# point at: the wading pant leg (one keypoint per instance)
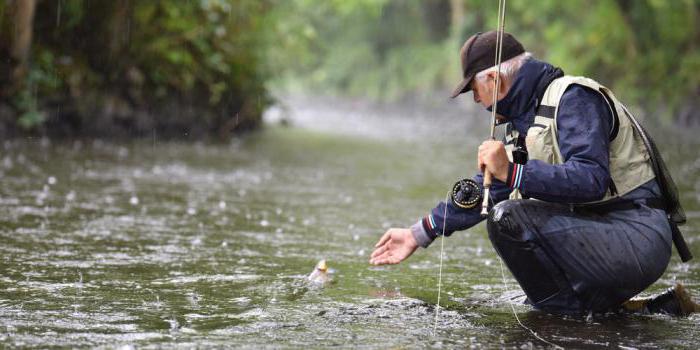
(540, 278)
(570, 262)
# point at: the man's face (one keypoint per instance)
(483, 91)
(482, 88)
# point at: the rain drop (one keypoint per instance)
(52, 180)
(134, 200)
(174, 325)
(222, 205)
(7, 162)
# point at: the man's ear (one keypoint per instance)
(491, 77)
(503, 88)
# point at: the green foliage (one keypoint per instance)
(41, 80)
(360, 48)
(29, 116)
(202, 59)
(189, 45)
(212, 61)
(646, 50)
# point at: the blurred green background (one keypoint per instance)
(188, 68)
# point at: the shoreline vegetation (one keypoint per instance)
(183, 69)
(210, 68)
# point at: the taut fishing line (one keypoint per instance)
(499, 49)
(442, 248)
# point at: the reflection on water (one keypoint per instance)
(162, 243)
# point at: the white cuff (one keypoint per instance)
(420, 235)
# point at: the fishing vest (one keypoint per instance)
(630, 164)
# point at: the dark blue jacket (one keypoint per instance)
(583, 122)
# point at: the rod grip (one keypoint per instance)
(487, 178)
(487, 187)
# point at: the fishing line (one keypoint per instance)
(499, 49)
(510, 302)
(442, 248)
(503, 276)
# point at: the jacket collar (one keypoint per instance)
(520, 104)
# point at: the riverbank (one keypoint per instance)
(107, 115)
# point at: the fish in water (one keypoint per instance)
(320, 274)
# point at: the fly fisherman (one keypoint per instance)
(577, 213)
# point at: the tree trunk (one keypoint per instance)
(457, 16)
(436, 15)
(18, 19)
(119, 28)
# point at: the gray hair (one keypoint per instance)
(509, 68)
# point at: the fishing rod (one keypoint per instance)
(465, 193)
(488, 177)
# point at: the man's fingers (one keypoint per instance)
(384, 238)
(379, 251)
(382, 259)
(390, 260)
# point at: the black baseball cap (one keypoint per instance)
(479, 53)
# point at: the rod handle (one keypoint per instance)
(487, 187)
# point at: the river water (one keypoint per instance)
(164, 244)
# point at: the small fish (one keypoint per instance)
(320, 273)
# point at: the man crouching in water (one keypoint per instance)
(586, 227)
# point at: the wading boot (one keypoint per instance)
(675, 301)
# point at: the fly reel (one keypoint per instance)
(466, 194)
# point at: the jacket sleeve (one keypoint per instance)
(583, 124)
(429, 227)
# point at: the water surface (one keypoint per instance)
(163, 244)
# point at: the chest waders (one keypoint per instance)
(634, 157)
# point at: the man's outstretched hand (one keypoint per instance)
(395, 246)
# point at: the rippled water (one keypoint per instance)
(166, 244)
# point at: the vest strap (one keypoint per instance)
(615, 127)
(627, 204)
(546, 111)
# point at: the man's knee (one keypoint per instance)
(502, 223)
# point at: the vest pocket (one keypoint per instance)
(539, 143)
